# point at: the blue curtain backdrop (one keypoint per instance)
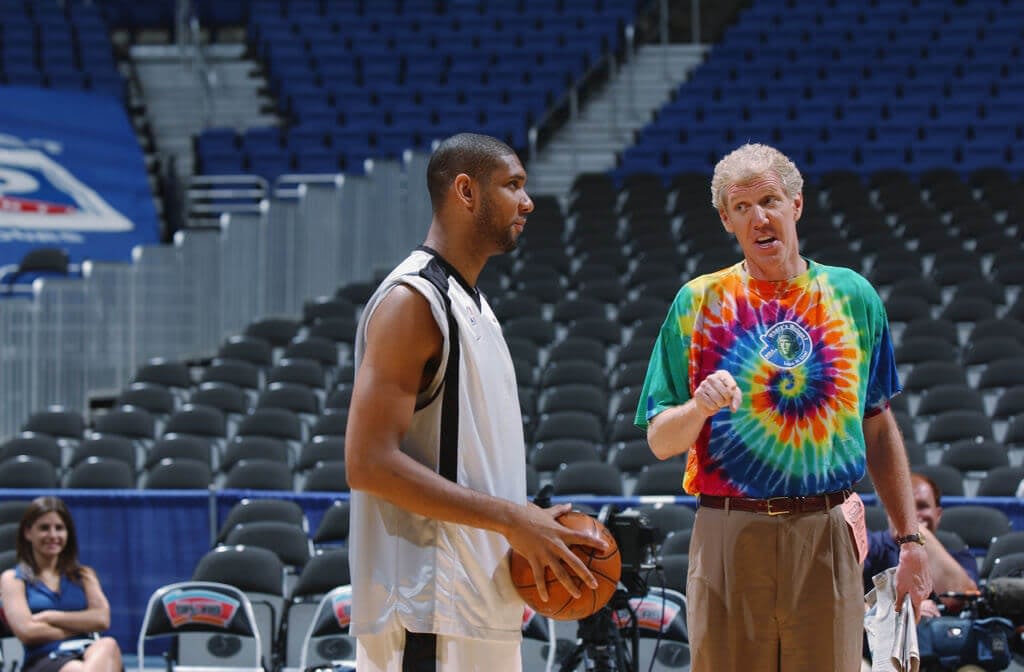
(138, 541)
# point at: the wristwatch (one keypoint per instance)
(916, 538)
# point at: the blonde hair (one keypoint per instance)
(749, 161)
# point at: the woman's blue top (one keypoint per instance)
(70, 597)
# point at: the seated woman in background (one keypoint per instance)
(51, 602)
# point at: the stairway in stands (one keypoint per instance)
(606, 124)
(173, 90)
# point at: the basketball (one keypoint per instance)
(606, 568)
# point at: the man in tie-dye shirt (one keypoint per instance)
(775, 376)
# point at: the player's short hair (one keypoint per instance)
(748, 162)
(474, 154)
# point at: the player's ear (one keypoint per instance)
(465, 189)
(798, 206)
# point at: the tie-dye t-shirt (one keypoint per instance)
(812, 357)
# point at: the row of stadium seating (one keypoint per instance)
(852, 86)
(371, 71)
(583, 298)
(60, 46)
(361, 81)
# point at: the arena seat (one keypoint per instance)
(325, 476)
(177, 473)
(164, 619)
(262, 509)
(333, 527)
(978, 525)
(325, 572)
(259, 574)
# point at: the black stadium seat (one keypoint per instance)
(177, 473)
(39, 446)
(550, 456)
(101, 473)
(588, 478)
(334, 525)
(259, 474)
(978, 525)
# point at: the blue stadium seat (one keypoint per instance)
(264, 138)
(393, 141)
(983, 154)
(270, 166)
(916, 104)
(815, 112)
(927, 157)
(308, 135)
(232, 163)
(877, 156)
(60, 78)
(947, 133)
(852, 132)
(109, 83)
(23, 74)
(1001, 110)
(317, 160)
(895, 133)
(411, 116)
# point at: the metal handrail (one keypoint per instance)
(188, 36)
(248, 190)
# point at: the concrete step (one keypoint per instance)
(195, 88)
(624, 118)
(239, 69)
(236, 70)
(141, 53)
(192, 84)
(567, 161)
(607, 122)
(169, 130)
(252, 107)
(177, 106)
(591, 143)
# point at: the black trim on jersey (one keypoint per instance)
(420, 652)
(437, 273)
(454, 272)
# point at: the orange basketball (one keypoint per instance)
(606, 568)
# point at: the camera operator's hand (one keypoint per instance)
(537, 535)
(913, 577)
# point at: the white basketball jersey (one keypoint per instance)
(427, 575)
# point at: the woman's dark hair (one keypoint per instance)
(67, 563)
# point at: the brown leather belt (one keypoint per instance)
(775, 506)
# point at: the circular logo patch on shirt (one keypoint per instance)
(786, 345)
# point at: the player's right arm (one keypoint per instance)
(403, 347)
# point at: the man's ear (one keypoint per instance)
(725, 220)
(798, 206)
(465, 190)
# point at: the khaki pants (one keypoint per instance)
(774, 593)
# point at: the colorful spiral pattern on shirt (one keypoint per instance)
(801, 354)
